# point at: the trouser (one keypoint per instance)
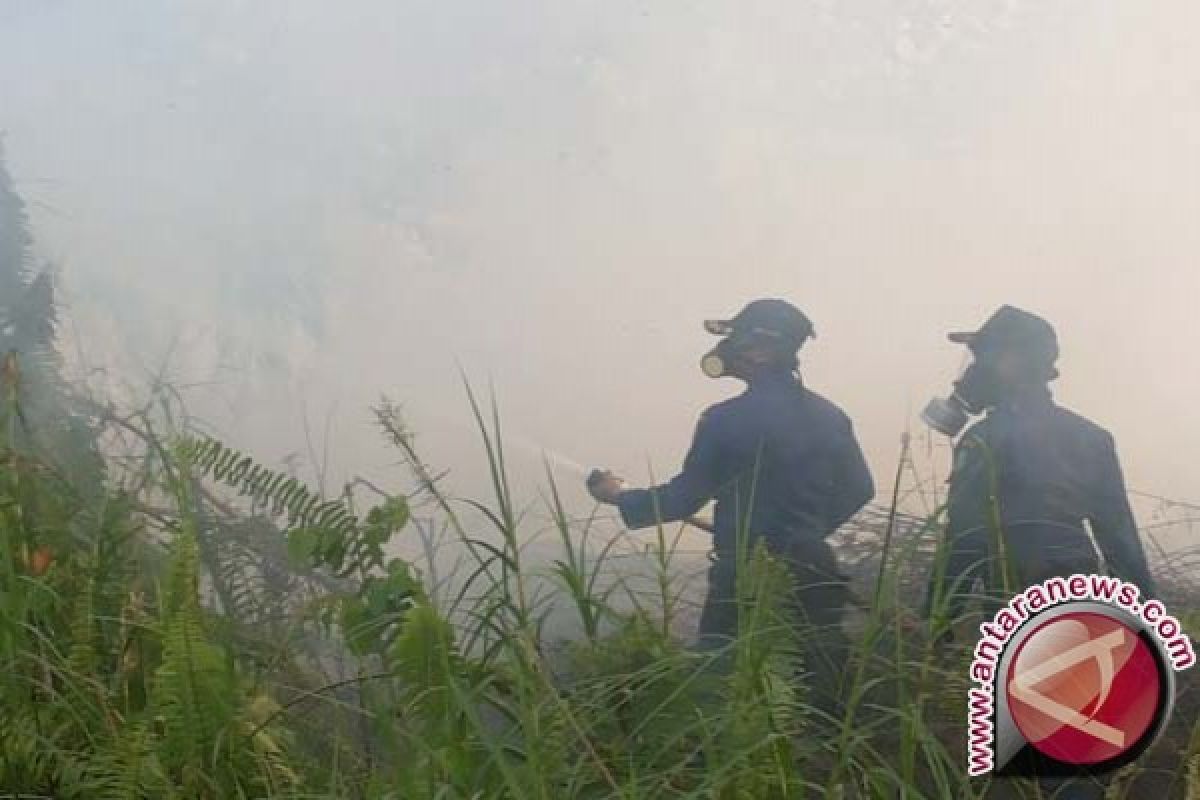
(817, 599)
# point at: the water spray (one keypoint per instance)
(570, 465)
(579, 470)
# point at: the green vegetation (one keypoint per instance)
(178, 621)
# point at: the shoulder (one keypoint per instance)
(1086, 434)
(823, 409)
(1081, 426)
(720, 415)
(725, 408)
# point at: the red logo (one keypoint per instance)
(1084, 688)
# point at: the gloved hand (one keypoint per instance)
(604, 486)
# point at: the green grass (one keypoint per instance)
(177, 646)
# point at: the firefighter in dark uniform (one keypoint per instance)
(1028, 481)
(783, 465)
(1030, 471)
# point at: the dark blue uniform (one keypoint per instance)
(1036, 472)
(789, 459)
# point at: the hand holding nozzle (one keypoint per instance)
(605, 486)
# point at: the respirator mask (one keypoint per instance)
(718, 362)
(1012, 350)
(973, 392)
(765, 330)
(715, 363)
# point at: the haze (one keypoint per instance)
(307, 204)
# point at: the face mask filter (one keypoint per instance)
(949, 415)
(716, 362)
(713, 365)
(946, 415)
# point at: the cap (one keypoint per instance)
(768, 316)
(1013, 329)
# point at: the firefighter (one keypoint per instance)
(1029, 475)
(785, 468)
(1028, 481)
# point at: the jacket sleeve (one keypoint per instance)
(686, 493)
(853, 486)
(1112, 521)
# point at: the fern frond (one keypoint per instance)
(193, 694)
(322, 533)
(82, 658)
(275, 490)
(126, 768)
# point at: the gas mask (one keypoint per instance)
(975, 390)
(717, 362)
